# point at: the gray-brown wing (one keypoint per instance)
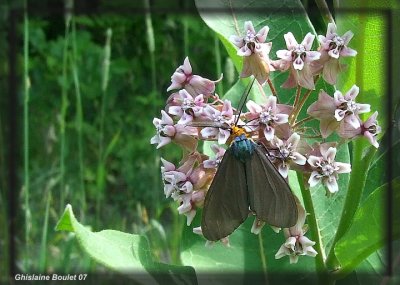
(270, 196)
(226, 204)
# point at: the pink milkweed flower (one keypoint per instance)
(297, 58)
(215, 161)
(255, 51)
(340, 111)
(286, 153)
(332, 48)
(185, 107)
(223, 119)
(296, 243)
(266, 116)
(167, 131)
(369, 129)
(346, 107)
(326, 169)
(188, 204)
(194, 84)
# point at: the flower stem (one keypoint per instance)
(26, 136)
(273, 90)
(314, 230)
(360, 165)
(262, 255)
(299, 123)
(297, 97)
(324, 9)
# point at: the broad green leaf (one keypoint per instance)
(243, 257)
(367, 232)
(123, 252)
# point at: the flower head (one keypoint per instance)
(297, 58)
(255, 51)
(332, 47)
(326, 169)
(339, 111)
(296, 243)
(266, 116)
(184, 106)
(285, 153)
(222, 119)
(194, 84)
(167, 131)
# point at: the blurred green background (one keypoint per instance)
(89, 125)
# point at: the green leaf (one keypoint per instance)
(123, 252)
(367, 232)
(243, 256)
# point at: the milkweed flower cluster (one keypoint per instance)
(195, 112)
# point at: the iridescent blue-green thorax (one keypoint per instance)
(242, 148)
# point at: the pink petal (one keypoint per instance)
(248, 26)
(305, 242)
(174, 85)
(331, 184)
(352, 93)
(169, 131)
(281, 118)
(293, 139)
(209, 132)
(186, 118)
(331, 29)
(187, 68)
(348, 52)
(308, 40)
(306, 78)
(363, 108)
(312, 55)
(223, 136)
(324, 107)
(175, 110)
(165, 118)
(353, 121)
(283, 170)
(202, 85)
(299, 159)
(269, 133)
(284, 54)
(271, 102)
(262, 34)
(331, 70)
(347, 37)
(237, 41)
(313, 160)
(327, 126)
(290, 41)
(253, 107)
(156, 122)
(163, 141)
(371, 120)
(168, 166)
(347, 131)
(343, 167)
(329, 154)
(372, 139)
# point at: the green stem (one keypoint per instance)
(273, 90)
(299, 123)
(26, 135)
(263, 257)
(359, 172)
(218, 63)
(63, 113)
(313, 226)
(101, 169)
(324, 9)
(79, 115)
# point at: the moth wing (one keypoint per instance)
(226, 204)
(270, 196)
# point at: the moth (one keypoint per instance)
(246, 182)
